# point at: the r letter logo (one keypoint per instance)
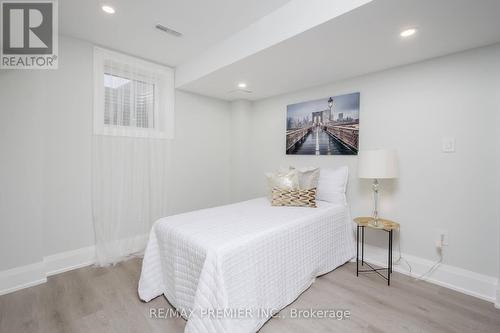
(29, 34)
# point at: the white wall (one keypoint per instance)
(67, 129)
(45, 149)
(411, 108)
(201, 153)
(497, 304)
(21, 172)
(240, 131)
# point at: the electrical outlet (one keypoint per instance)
(442, 238)
(448, 145)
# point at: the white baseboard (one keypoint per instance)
(461, 280)
(66, 261)
(22, 277)
(497, 302)
(31, 275)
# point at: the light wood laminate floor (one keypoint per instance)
(94, 300)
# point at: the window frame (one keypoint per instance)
(163, 85)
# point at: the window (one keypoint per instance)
(132, 97)
(128, 102)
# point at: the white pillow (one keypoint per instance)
(308, 177)
(332, 185)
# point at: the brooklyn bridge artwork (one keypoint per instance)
(327, 126)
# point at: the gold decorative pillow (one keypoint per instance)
(302, 198)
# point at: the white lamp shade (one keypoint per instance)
(378, 164)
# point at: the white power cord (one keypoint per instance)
(429, 271)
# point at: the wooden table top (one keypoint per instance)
(366, 221)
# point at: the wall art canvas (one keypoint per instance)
(327, 126)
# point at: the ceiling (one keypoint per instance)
(361, 41)
(131, 28)
(350, 43)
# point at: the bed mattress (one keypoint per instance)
(228, 268)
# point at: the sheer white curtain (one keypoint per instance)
(130, 152)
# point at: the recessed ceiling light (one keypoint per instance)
(108, 9)
(408, 32)
(242, 85)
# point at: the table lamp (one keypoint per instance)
(377, 164)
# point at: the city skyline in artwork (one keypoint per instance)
(326, 126)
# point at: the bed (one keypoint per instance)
(229, 268)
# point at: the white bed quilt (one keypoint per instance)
(229, 266)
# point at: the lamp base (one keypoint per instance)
(375, 187)
(375, 223)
